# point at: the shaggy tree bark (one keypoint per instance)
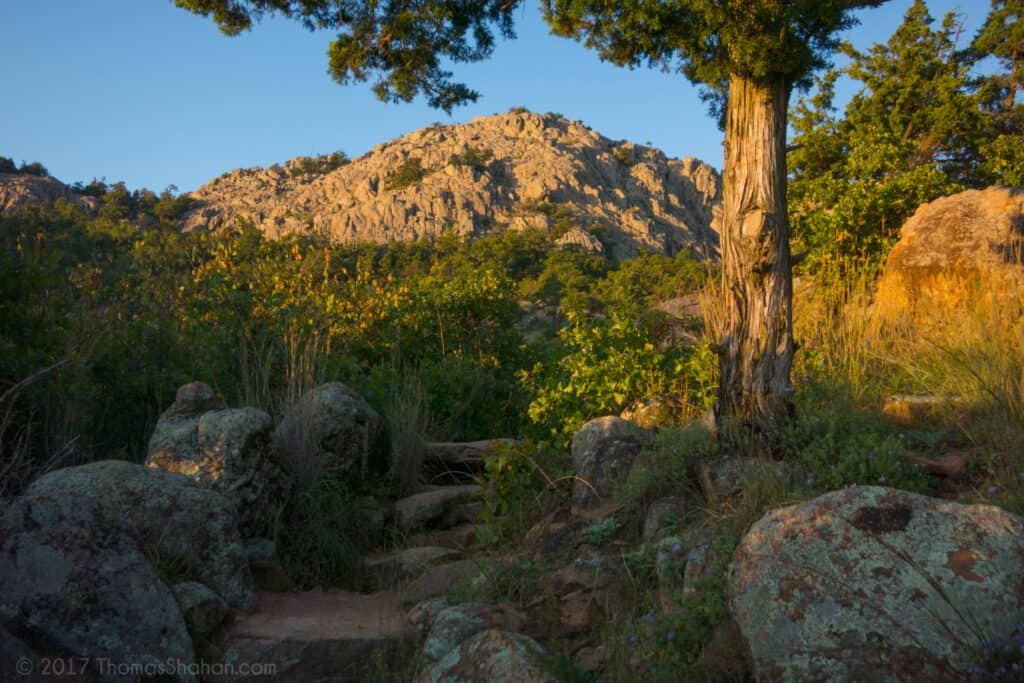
(757, 343)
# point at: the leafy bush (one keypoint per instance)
(514, 481)
(318, 165)
(607, 365)
(409, 173)
(624, 155)
(473, 157)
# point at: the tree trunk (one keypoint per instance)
(757, 343)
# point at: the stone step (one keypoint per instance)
(316, 636)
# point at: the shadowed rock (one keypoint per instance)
(72, 572)
(185, 529)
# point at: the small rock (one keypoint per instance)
(455, 624)
(438, 579)
(662, 513)
(720, 477)
(384, 570)
(602, 452)
(492, 656)
(579, 611)
(908, 409)
(421, 509)
(204, 610)
(699, 567)
(653, 411)
(590, 658)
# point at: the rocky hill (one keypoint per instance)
(18, 190)
(514, 170)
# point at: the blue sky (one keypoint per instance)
(140, 91)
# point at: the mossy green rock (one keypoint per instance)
(187, 532)
(72, 574)
(871, 583)
(492, 656)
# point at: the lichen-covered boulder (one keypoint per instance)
(491, 656)
(227, 450)
(602, 453)
(872, 581)
(332, 429)
(189, 532)
(73, 573)
(452, 625)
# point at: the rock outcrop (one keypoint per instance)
(950, 246)
(871, 581)
(18, 190)
(226, 450)
(512, 170)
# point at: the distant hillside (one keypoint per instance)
(514, 170)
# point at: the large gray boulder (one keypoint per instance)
(602, 454)
(188, 532)
(73, 573)
(227, 450)
(332, 429)
(873, 582)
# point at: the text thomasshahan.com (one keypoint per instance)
(72, 666)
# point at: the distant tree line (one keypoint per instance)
(34, 168)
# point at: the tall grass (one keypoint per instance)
(408, 420)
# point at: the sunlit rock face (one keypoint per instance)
(516, 171)
(954, 251)
(21, 190)
(871, 581)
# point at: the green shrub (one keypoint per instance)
(675, 647)
(624, 155)
(607, 365)
(835, 443)
(318, 165)
(409, 173)
(514, 482)
(474, 157)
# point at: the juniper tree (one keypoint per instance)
(748, 55)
